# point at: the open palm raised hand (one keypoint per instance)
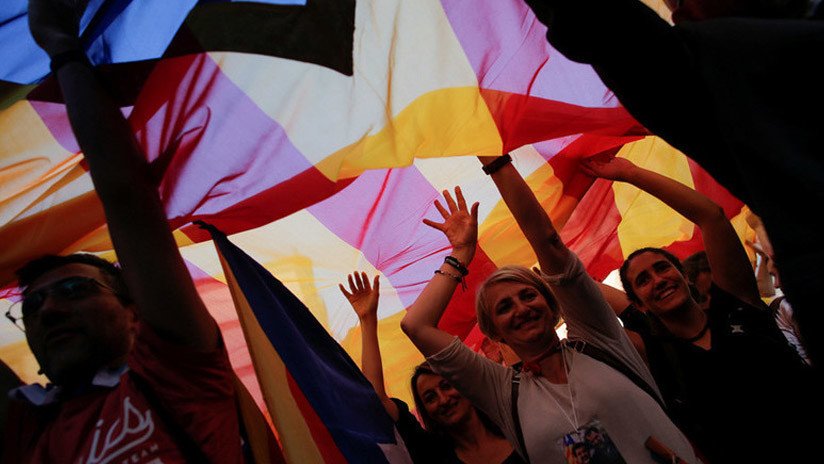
(460, 223)
(361, 295)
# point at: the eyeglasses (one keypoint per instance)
(68, 289)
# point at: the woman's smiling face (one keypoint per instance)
(444, 405)
(520, 314)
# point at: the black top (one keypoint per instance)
(746, 398)
(429, 448)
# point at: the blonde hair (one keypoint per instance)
(516, 274)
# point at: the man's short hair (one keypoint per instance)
(35, 268)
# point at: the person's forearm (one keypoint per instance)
(764, 279)
(420, 323)
(688, 202)
(531, 217)
(428, 308)
(371, 354)
(372, 364)
(134, 214)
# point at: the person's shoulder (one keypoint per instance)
(635, 320)
(723, 302)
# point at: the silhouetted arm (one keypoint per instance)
(153, 268)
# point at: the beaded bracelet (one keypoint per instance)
(454, 262)
(499, 162)
(457, 278)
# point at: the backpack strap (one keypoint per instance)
(600, 355)
(516, 420)
(595, 353)
(775, 304)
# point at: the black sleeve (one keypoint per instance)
(635, 320)
(423, 447)
(644, 60)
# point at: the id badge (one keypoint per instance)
(590, 444)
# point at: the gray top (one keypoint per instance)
(628, 414)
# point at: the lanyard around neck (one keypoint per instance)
(572, 419)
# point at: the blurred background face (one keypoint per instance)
(773, 270)
(703, 284)
(444, 405)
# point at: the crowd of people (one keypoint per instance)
(683, 365)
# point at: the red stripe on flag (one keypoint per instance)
(524, 119)
(301, 191)
(705, 184)
(565, 164)
(320, 434)
(592, 231)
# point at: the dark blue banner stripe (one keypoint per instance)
(341, 396)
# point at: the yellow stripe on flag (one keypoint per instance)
(299, 446)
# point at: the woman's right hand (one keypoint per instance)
(460, 225)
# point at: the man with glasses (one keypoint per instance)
(77, 315)
(138, 370)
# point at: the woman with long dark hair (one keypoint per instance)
(454, 431)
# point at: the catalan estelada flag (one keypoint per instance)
(323, 407)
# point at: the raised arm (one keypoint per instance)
(154, 270)
(531, 217)
(766, 286)
(731, 269)
(617, 37)
(363, 297)
(461, 229)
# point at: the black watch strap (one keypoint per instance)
(499, 162)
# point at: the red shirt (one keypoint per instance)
(113, 422)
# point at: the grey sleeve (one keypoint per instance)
(590, 318)
(486, 384)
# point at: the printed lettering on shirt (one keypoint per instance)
(120, 441)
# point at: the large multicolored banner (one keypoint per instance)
(318, 133)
